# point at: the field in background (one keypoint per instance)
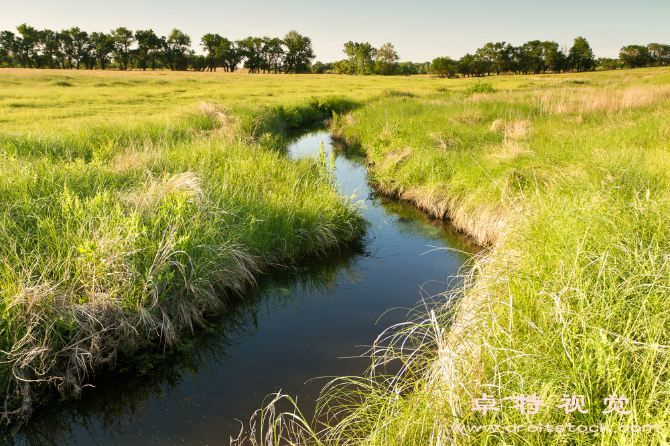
(46, 100)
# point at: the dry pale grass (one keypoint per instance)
(498, 125)
(395, 157)
(590, 99)
(104, 320)
(228, 123)
(444, 141)
(517, 129)
(155, 190)
(512, 129)
(485, 223)
(509, 149)
(134, 160)
(471, 116)
(458, 364)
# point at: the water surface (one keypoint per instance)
(300, 323)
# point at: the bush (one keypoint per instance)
(480, 87)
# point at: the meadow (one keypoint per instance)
(121, 233)
(135, 198)
(566, 180)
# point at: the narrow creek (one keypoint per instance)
(299, 324)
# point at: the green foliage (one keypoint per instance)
(581, 55)
(635, 56)
(443, 67)
(299, 52)
(480, 87)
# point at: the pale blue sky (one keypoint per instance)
(419, 30)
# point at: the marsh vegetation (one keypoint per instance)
(563, 178)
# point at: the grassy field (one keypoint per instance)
(567, 180)
(119, 232)
(564, 177)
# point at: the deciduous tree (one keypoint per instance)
(581, 55)
(123, 40)
(147, 43)
(103, 47)
(443, 67)
(177, 49)
(299, 52)
(636, 56)
(212, 44)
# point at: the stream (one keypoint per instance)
(297, 326)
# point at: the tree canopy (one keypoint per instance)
(124, 49)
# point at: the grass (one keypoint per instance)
(563, 177)
(567, 184)
(116, 237)
(31, 100)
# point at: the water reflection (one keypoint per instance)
(153, 383)
(297, 325)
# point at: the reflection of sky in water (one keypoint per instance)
(298, 325)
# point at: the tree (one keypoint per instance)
(660, 53)
(51, 47)
(534, 53)
(387, 58)
(341, 67)
(495, 56)
(212, 44)
(299, 53)
(26, 45)
(319, 67)
(636, 56)
(485, 57)
(176, 50)
(77, 45)
(443, 67)
(103, 46)
(273, 48)
(467, 65)
(554, 58)
(606, 63)
(361, 57)
(197, 62)
(147, 43)
(123, 40)
(252, 48)
(581, 56)
(8, 46)
(230, 54)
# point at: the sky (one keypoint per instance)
(419, 30)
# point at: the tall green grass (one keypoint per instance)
(568, 187)
(115, 238)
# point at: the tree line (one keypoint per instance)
(539, 57)
(74, 49)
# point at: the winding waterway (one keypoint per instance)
(297, 325)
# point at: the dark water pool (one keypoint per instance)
(297, 325)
